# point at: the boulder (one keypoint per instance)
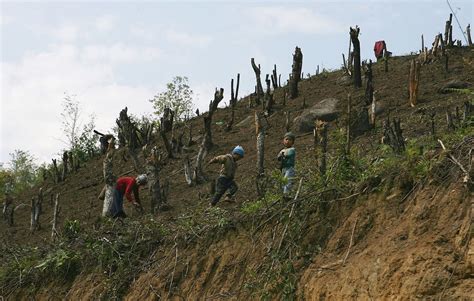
(324, 110)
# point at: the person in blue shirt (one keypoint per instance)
(287, 161)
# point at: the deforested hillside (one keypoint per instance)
(386, 214)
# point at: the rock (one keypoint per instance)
(453, 84)
(324, 110)
(246, 122)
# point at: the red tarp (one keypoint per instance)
(378, 49)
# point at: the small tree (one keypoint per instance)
(70, 119)
(177, 97)
(23, 170)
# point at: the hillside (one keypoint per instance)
(380, 226)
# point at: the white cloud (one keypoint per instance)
(66, 33)
(105, 23)
(118, 53)
(280, 19)
(188, 39)
(32, 90)
(142, 32)
(5, 20)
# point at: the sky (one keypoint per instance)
(113, 54)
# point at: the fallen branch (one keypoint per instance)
(467, 177)
(350, 243)
(291, 213)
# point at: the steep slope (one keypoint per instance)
(409, 237)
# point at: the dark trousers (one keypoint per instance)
(117, 205)
(222, 184)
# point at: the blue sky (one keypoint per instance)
(116, 54)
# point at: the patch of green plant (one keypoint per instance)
(72, 228)
(61, 263)
(217, 217)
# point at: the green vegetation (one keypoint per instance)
(177, 97)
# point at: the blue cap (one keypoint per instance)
(239, 150)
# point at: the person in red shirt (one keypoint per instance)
(128, 187)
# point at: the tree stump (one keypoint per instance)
(166, 125)
(414, 82)
(65, 165)
(468, 33)
(369, 90)
(354, 33)
(296, 72)
(154, 164)
(268, 97)
(56, 176)
(218, 96)
(321, 130)
(393, 135)
(233, 101)
(258, 88)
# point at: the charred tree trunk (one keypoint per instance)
(432, 127)
(344, 64)
(33, 226)
(259, 88)
(369, 90)
(422, 43)
(322, 134)
(233, 101)
(354, 33)
(218, 96)
(468, 33)
(275, 78)
(393, 135)
(448, 32)
(268, 97)
(54, 231)
(414, 82)
(57, 176)
(128, 129)
(296, 72)
(110, 180)
(153, 170)
(166, 125)
(65, 165)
